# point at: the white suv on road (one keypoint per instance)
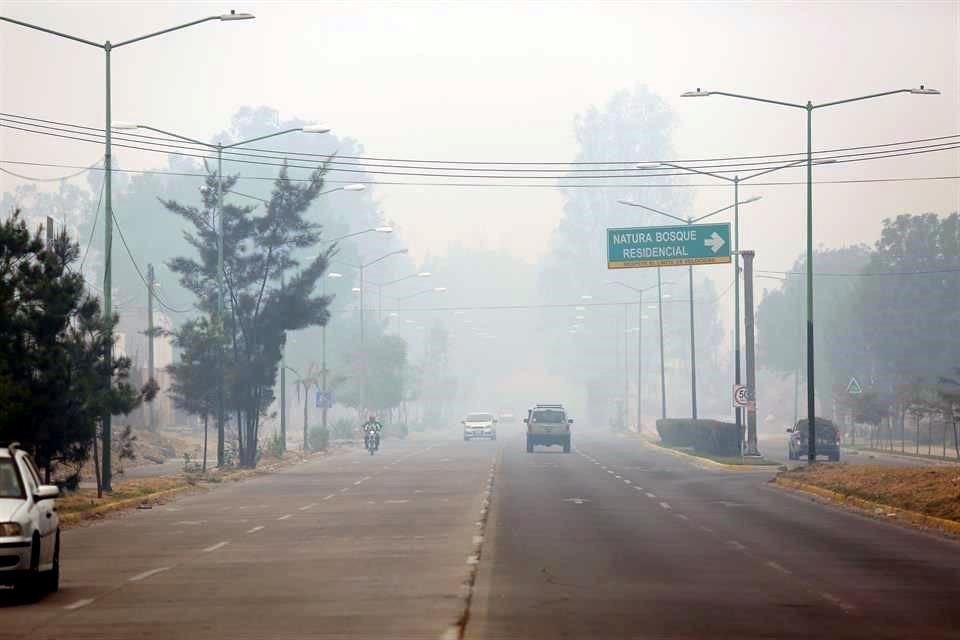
(29, 525)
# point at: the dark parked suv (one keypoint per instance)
(828, 439)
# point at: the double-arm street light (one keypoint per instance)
(107, 47)
(663, 390)
(735, 180)
(381, 285)
(809, 108)
(688, 222)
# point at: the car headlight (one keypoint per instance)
(9, 529)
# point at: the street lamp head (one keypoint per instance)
(696, 94)
(315, 128)
(440, 289)
(123, 125)
(233, 15)
(923, 91)
(355, 289)
(586, 297)
(384, 229)
(355, 187)
(424, 274)
(334, 275)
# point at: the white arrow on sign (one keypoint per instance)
(715, 242)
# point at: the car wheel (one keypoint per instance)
(566, 447)
(52, 578)
(529, 447)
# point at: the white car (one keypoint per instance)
(29, 525)
(479, 425)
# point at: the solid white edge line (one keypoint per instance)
(214, 547)
(79, 603)
(255, 529)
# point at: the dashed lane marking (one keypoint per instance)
(255, 529)
(681, 516)
(147, 574)
(651, 495)
(777, 567)
(284, 517)
(395, 501)
(834, 600)
(308, 506)
(214, 547)
(329, 496)
(79, 603)
(665, 505)
(736, 545)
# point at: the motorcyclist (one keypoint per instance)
(371, 429)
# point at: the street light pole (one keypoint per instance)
(808, 108)
(107, 48)
(663, 377)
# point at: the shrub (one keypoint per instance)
(704, 436)
(342, 429)
(318, 438)
(274, 446)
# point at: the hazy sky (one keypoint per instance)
(503, 81)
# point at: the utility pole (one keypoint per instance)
(640, 365)
(626, 370)
(151, 283)
(663, 376)
(283, 388)
(693, 353)
(751, 354)
(306, 398)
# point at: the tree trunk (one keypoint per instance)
(918, 434)
(96, 462)
(929, 435)
(205, 420)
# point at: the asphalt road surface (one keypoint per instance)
(614, 540)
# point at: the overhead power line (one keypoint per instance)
(502, 185)
(720, 165)
(341, 159)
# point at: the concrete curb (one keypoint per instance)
(875, 508)
(70, 519)
(456, 630)
(707, 461)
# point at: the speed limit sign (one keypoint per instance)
(740, 396)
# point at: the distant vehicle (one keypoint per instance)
(507, 418)
(29, 525)
(479, 426)
(548, 425)
(827, 444)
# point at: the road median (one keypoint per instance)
(926, 497)
(729, 464)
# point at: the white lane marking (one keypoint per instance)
(344, 489)
(651, 495)
(625, 481)
(619, 477)
(79, 603)
(147, 574)
(308, 506)
(777, 567)
(332, 495)
(395, 501)
(638, 488)
(832, 599)
(736, 545)
(477, 539)
(610, 471)
(665, 505)
(707, 529)
(284, 517)
(255, 529)
(681, 516)
(472, 560)
(214, 547)
(188, 522)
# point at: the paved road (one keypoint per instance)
(615, 540)
(353, 546)
(620, 541)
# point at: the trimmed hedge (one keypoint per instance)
(705, 436)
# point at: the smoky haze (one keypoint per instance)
(568, 83)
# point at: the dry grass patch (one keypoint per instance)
(932, 491)
(86, 499)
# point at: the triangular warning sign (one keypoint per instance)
(854, 387)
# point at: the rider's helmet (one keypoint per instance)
(373, 418)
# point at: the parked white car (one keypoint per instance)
(29, 525)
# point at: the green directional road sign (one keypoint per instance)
(668, 246)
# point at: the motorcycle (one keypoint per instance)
(372, 442)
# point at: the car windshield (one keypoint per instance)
(548, 415)
(480, 417)
(10, 486)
